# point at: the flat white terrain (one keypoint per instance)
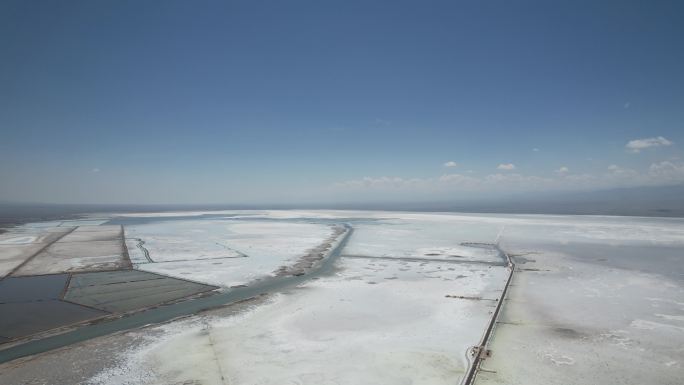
(86, 248)
(18, 245)
(593, 300)
(221, 252)
(375, 321)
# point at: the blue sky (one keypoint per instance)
(256, 101)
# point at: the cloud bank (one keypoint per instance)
(635, 146)
(657, 174)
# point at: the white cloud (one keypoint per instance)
(382, 182)
(627, 104)
(535, 149)
(667, 171)
(657, 174)
(458, 179)
(506, 166)
(637, 145)
(95, 170)
(616, 171)
(450, 163)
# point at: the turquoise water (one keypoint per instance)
(168, 312)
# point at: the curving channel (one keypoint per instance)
(171, 311)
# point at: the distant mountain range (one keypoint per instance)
(662, 201)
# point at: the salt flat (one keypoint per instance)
(568, 318)
(598, 302)
(17, 246)
(221, 252)
(425, 239)
(593, 299)
(76, 256)
(381, 322)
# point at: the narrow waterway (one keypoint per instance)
(168, 312)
